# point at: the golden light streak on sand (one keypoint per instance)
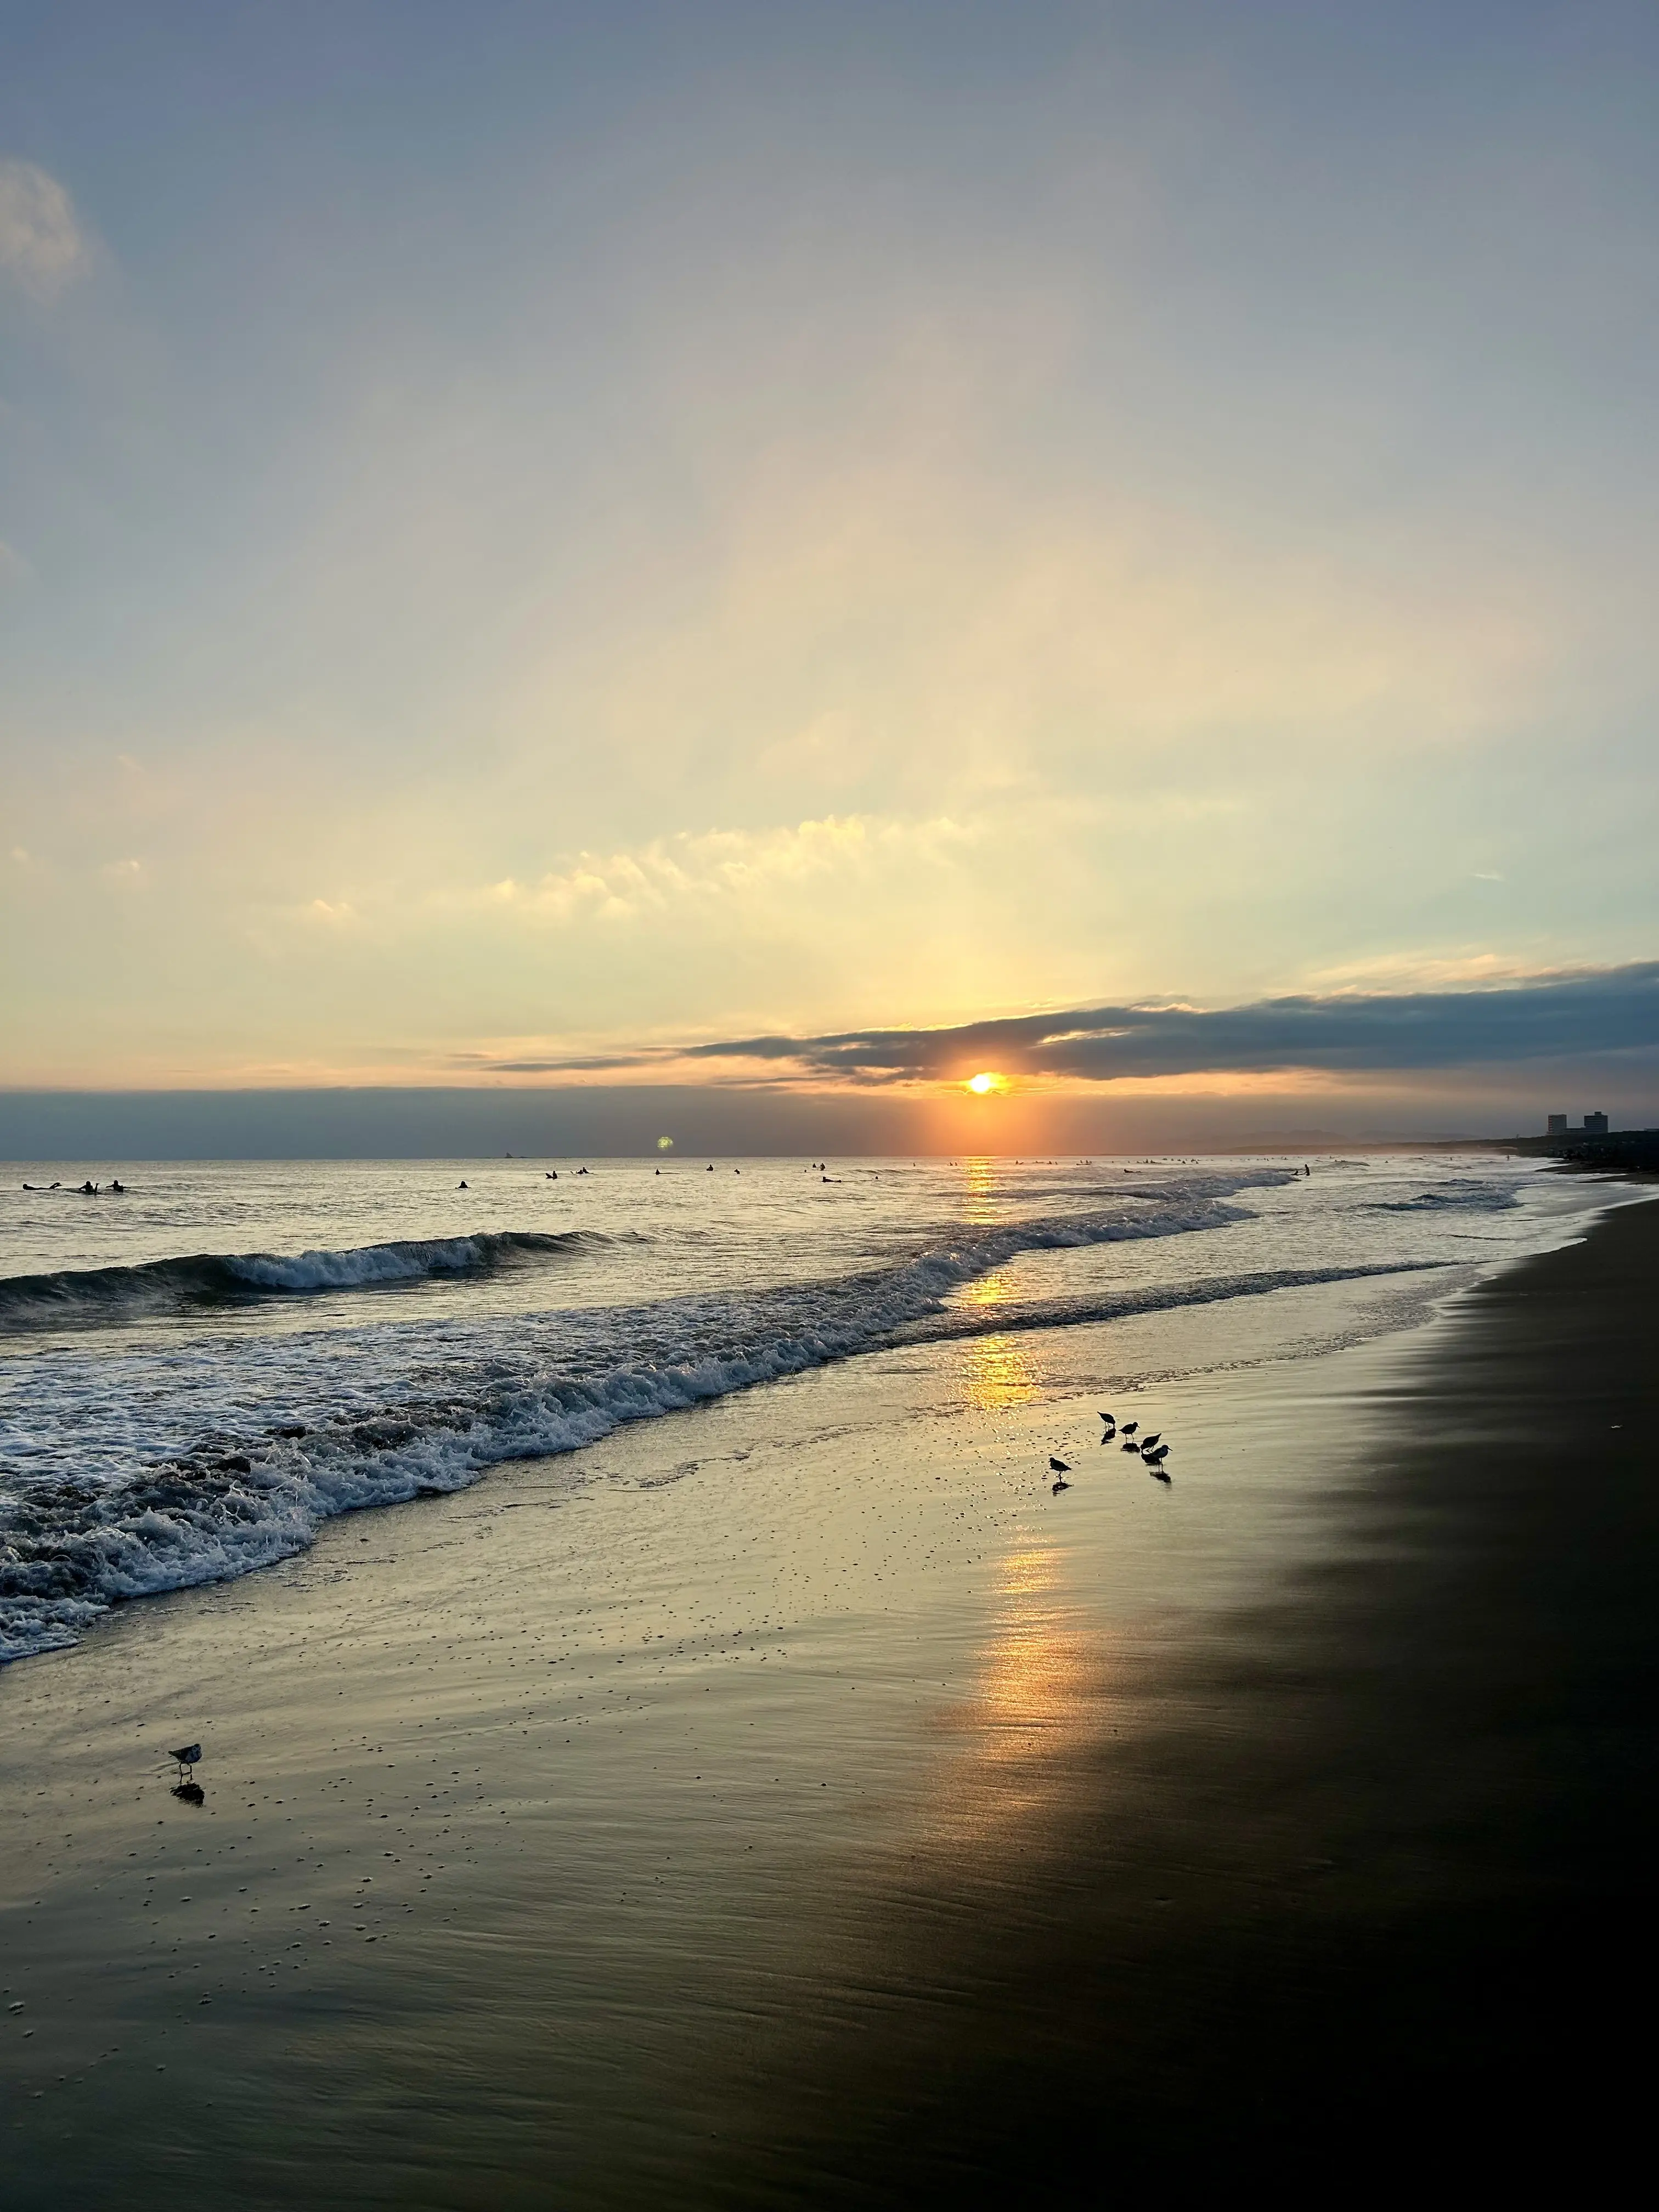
(1035, 1701)
(996, 1372)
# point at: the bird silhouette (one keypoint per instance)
(1129, 1427)
(1151, 1439)
(186, 1757)
(1059, 1466)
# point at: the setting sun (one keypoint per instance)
(983, 1083)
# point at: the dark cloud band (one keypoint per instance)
(1609, 1010)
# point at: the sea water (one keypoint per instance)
(197, 1371)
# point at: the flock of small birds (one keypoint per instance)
(1151, 1449)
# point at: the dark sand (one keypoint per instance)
(814, 1811)
(1375, 1906)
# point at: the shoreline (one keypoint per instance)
(859, 1819)
(1380, 1877)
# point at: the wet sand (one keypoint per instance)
(811, 1808)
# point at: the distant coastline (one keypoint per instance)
(1621, 1152)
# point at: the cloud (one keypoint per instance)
(42, 246)
(717, 864)
(585, 1064)
(1412, 972)
(1601, 1011)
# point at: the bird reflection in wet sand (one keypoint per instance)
(1149, 1448)
(190, 1793)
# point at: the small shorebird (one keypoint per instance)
(186, 1758)
(1155, 1458)
(1147, 1442)
(1129, 1427)
(1059, 1465)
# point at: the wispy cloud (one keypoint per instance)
(483, 1063)
(1599, 1011)
(714, 865)
(43, 246)
(1409, 973)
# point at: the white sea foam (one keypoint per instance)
(188, 1457)
(93, 1297)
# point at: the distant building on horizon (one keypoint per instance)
(1596, 1125)
(1556, 1126)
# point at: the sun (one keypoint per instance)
(985, 1082)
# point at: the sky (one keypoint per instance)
(547, 545)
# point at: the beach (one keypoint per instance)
(811, 1806)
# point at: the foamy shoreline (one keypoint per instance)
(638, 1778)
(153, 1446)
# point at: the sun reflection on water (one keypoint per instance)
(979, 1188)
(997, 1371)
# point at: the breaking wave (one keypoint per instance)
(88, 1297)
(1456, 1198)
(196, 1462)
(1123, 1305)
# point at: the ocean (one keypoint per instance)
(198, 1372)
